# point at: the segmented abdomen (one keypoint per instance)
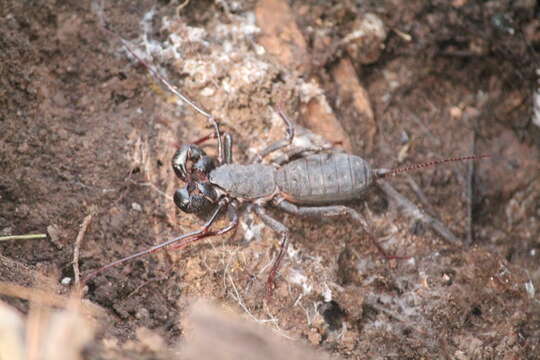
(324, 178)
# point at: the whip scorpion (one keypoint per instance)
(307, 181)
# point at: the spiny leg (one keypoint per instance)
(284, 232)
(331, 210)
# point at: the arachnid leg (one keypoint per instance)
(205, 164)
(299, 151)
(284, 232)
(319, 211)
(331, 210)
(211, 119)
(227, 148)
(215, 124)
(232, 212)
(280, 144)
(183, 240)
(227, 145)
(205, 138)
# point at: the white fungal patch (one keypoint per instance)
(327, 293)
(251, 228)
(200, 72)
(208, 91)
(245, 73)
(226, 44)
(309, 90)
(298, 278)
(529, 288)
(246, 26)
(536, 102)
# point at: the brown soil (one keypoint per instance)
(85, 130)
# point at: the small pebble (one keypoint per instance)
(135, 206)
(365, 42)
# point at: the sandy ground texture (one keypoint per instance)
(87, 136)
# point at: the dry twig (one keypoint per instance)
(78, 240)
(23, 237)
(416, 213)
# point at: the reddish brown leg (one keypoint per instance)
(205, 232)
(205, 138)
(180, 241)
(284, 232)
(227, 145)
